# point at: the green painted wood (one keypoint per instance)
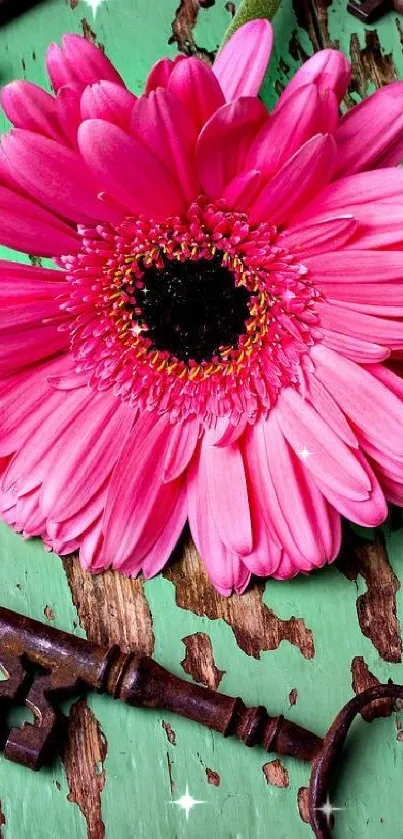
(144, 773)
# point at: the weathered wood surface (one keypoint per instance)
(299, 647)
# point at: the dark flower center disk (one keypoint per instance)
(193, 308)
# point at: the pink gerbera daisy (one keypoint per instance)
(212, 343)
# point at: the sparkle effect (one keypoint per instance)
(304, 454)
(265, 351)
(328, 809)
(187, 802)
(94, 5)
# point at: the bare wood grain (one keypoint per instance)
(199, 660)
(361, 679)
(255, 626)
(183, 24)
(83, 761)
(376, 608)
(112, 608)
(276, 774)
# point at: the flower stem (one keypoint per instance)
(250, 9)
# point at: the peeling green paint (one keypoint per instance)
(143, 771)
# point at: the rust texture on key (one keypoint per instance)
(70, 665)
(371, 10)
(43, 665)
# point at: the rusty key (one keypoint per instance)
(371, 10)
(70, 665)
(43, 665)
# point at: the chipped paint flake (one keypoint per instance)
(276, 774)
(199, 660)
(171, 736)
(303, 804)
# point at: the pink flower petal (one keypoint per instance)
(6, 178)
(327, 407)
(109, 101)
(380, 226)
(65, 184)
(353, 267)
(324, 236)
(21, 349)
(181, 446)
(241, 63)
(28, 467)
(329, 457)
(91, 546)
(138, 504)
(302, 116)
(389, 378)
(226, 569)
(160, 73)
(85, 456)
(353, 192)
(368, 513)
(159, 554)
(387, 332)
(297, 182)
(22, 395)
(28, 296)
(328, 68)
(378, 413)
(162, 124)
(78, 61)
(68, 110)
(28, 516)
(228, 495)
(37, 280)
(79, 523)
(224, 142)
(28, 106)
(227, 432)
(195, 84)
(380, 120)
(304, 527)
(243, 190)
(26, 227)
(364, 352)
(130, 172)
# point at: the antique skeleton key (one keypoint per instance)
(43, 665)
(371, 10)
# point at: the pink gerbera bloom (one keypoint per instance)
(212, 343)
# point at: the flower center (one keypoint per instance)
(192, 309)
(204, 315)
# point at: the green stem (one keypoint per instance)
(250, 9)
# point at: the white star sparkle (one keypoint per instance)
(94, 5)
(137, 329)
(187, 802)
(304, 454)
(327, 809)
